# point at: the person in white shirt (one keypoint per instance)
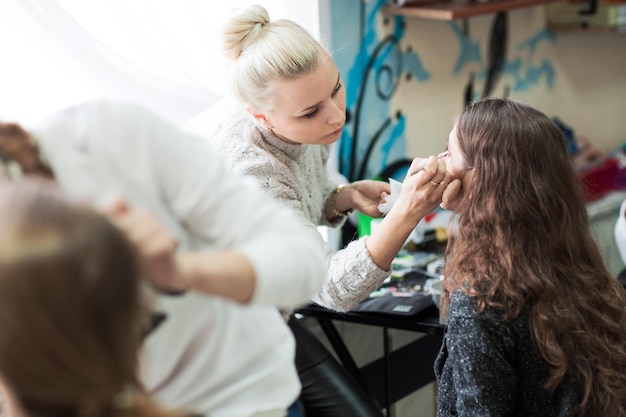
(223, 350)
(619, 232)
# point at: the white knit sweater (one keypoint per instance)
(296, 175)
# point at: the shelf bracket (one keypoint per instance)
(592, 7)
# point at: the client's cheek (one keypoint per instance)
(453, 170)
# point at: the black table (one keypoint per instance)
(398, 372)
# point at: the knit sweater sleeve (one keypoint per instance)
(352, 274)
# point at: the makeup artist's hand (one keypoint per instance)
(452, 195)
(423, 187)
(364, 196)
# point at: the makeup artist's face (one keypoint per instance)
(310, 109)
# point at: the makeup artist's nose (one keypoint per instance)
(337, 114)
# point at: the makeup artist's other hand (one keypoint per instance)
(155, 243)
(366, 195)
(452, 195)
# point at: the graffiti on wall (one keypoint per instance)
(371, 82)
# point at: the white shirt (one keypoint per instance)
(620, 232)
(210, 355)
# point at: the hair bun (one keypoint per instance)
(242, 29)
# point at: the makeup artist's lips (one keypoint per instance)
(336, 132)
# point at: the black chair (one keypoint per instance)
(328, 390)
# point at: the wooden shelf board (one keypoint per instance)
(459, 9)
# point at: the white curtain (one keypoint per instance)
(162, 53)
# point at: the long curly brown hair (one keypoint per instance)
(524, 242)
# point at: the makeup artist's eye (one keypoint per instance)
(311, 114)
(337, 88)
(316, 110)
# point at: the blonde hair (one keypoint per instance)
(261, 52)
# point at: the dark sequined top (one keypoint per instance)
(490, 367)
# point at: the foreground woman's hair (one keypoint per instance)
(524, 241)
(71, 311)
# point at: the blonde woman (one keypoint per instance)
(290, 110)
